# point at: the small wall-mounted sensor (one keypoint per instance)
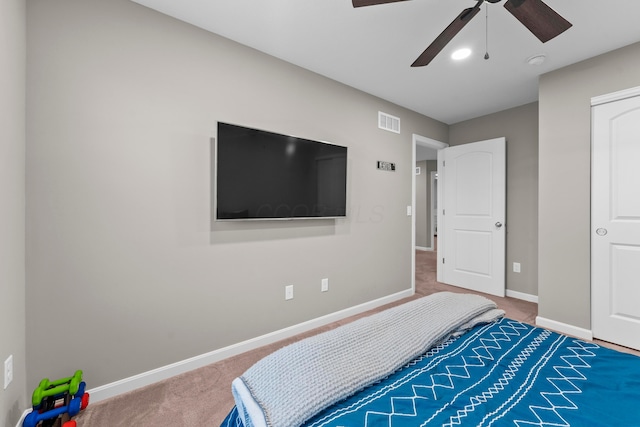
(386, 166)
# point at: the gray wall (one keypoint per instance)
(121, 106)
(520, 128)
(12, 206)
(564, 186)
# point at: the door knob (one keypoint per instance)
(601, 231)
(498, 224)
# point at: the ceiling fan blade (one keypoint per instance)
(445, 37)
(544, 22)
(360, 3)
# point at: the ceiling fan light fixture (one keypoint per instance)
(461, 54)
(536, 59)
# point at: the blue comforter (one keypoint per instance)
(502, 374)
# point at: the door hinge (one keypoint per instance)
(443, 260)
(442, 211)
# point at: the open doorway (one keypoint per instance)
(424, 226)
(425, 174)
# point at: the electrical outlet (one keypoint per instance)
(288, 292)
(324, 287)
(8, 371)
(516, 267)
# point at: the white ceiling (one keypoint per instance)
(372, 48)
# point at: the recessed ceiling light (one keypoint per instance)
(461, 54)
(536, 59)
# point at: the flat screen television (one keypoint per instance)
(263, 175)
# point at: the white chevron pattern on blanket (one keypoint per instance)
(564, 384)
(507, 376)
(482, 358)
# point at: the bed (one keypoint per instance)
(479, 369)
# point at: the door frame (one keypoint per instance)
(436, 145)
(433, 188)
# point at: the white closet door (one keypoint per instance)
(615, 220)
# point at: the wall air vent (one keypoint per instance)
(388, 122)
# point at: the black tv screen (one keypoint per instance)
(265, 175)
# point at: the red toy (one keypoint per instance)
(55, 403)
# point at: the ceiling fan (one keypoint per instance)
(537, 16)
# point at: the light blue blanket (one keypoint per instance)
(294, 383)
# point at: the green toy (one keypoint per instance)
(48, 388)
(56, 402)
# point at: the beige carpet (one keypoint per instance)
(203, 397)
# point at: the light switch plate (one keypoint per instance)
(8, 371)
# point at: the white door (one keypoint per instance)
(472, 220)
(615, 220)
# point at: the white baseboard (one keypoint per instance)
(24, 415)
(522, 296)
(423, 248)
(146, 378)
(583, 334)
